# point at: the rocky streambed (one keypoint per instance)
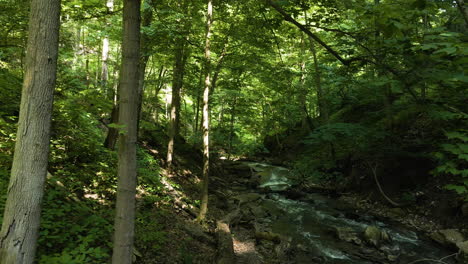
(269, 226)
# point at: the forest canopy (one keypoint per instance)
(342, 93)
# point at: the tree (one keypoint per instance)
(128, 115)
(20, 228)
(206, 115)
(180, 59)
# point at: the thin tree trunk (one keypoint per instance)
(21, 219)
(321, 98)
(145, 46)
(112, 133)
(231, 125)
(128, 114)
(303, 90)
(206, 116)
(175, 99)
(105, 53)
(197, 112)
(177, 83)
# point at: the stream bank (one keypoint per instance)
(276, 225)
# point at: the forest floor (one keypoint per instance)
(186, 241)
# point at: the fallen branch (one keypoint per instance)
(374, 171)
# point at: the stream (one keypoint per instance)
(319, 229)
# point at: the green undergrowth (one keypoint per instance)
(78, 205)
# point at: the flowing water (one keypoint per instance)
(313, 226)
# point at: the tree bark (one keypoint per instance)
(20, 228)
(128, 113)
(112, 133)
(206, 115)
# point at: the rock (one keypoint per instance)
(463, 251)
(257, 211)
(392, 252)
(447, 237)
(347, 234)
(375, 236)
(464, 210)
(396, 212)
(197, 232)
(247, 197)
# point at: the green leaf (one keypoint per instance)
(448, 51)
(458, 188)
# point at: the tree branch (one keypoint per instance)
(304, 29)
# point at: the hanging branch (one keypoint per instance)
(304, 29)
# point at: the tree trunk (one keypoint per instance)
(128, 113)
(20, 228)
(321, 98)
(463, 10)
(146, 46)
(175, 99)
(105, 54)
(302, 96)
(206, 115)
(177, 83)
(231, 125)
(112, 133)
(197, 111)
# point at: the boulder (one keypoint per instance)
(448, 237)
(247, 197)
(463, 250)
(376, 236)
(347, 234)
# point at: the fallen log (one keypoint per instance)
(225, 254)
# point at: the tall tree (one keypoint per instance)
(105, 54)
(180, 59)
(128, 113)
(20, 228)
(206, 115)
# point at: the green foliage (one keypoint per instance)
(73, 231)
(333, 132)
(149, 235)
(453, 160)
(148, 172)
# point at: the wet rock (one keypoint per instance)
(448, 237)
(396, 212)
(375, 236)
(247, 198)
(392, 252)
(347, 234)
(463, 250)
(257, 211)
